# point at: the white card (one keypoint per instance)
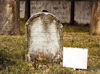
(75, 58)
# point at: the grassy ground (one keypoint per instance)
(12, 51)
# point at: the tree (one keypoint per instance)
(95, 18)
(9, 24)
(27, 10)
(72, 12)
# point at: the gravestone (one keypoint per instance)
(44, 36)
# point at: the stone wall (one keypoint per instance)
(83, 11)
(61, 9)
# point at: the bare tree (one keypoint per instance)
(9, 24)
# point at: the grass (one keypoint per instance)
(12, 51)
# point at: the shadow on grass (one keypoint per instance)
(76, 28)
(5, 60)
(22, 26)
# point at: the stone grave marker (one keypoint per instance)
(44, 36)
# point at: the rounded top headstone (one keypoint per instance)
(42, 13)
(44, 36)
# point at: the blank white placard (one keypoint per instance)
(75, 58)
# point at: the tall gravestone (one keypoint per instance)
(44, 36)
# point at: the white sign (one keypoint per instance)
(75, 58)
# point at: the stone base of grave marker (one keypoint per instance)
(44, 36)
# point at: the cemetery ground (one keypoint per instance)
(12, 51)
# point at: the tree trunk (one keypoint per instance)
(95, 18)
(72, 12)
(27, 10)
(18, 13)
(9, 24)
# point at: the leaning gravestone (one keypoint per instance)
(44, 36)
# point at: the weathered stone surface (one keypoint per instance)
(61, 8)
(95, 18)
(44, 34)
(83, 11)
(8, 17)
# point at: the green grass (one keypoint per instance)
(12, 51)
(22, 26)
(78, 28)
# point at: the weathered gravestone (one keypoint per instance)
(44, 36)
